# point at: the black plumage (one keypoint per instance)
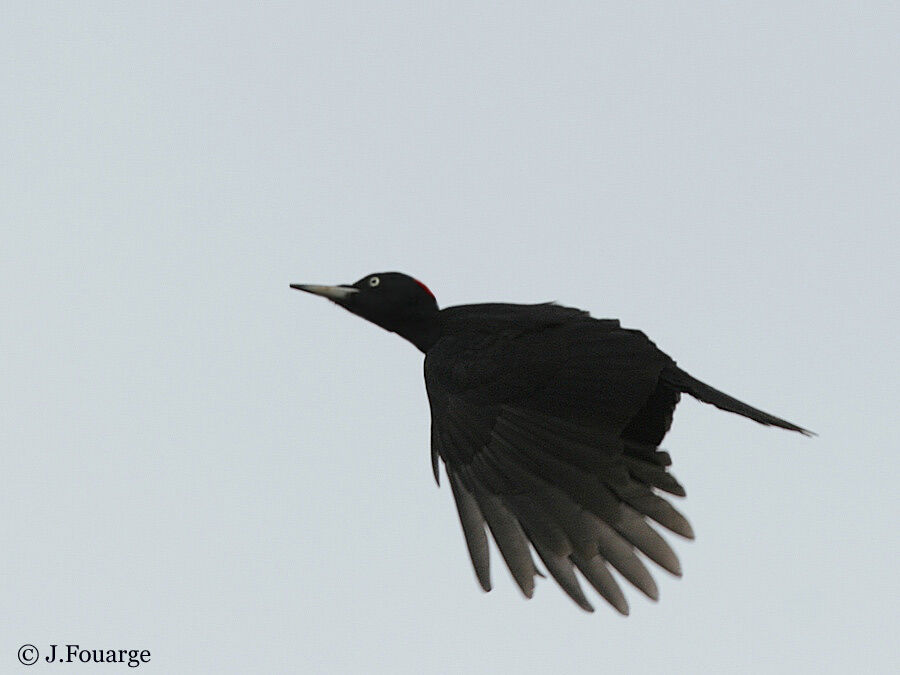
(548, 423)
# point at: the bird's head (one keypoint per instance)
(392, 300)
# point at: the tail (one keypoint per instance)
(683, 382)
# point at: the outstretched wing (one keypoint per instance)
(549, 438)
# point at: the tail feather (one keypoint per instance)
(703, 392)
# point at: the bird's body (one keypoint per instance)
(548, 423)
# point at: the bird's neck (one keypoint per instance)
(422, 330)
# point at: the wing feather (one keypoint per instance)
(473, 529)
(510, 538)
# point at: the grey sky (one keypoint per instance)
(201, 462)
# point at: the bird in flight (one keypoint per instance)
(548, 423)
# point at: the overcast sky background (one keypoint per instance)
(199, 461)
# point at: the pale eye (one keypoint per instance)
(374, 281)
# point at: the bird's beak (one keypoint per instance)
(335, 293)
